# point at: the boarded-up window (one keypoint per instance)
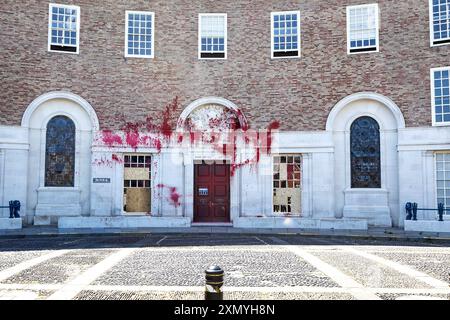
(60, 152)
(287, 184)
(137, 183)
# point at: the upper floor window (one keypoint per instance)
(362, 28)
(440, 22)
(440, 91)
(64, 28)
(212, 36)
(285, 28)
(139, 34)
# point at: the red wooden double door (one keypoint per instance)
(212, 192)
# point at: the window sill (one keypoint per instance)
(440, 44)
(62, 189)
(287, 57)
(67, 52)
(441, 124)
(139, 57)
(368, 190)
(363, 52)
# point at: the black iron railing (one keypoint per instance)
(412, 208)
(14, 208)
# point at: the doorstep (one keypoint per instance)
(211, 224)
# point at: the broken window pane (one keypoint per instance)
(287, 185)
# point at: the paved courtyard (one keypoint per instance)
(157, 266)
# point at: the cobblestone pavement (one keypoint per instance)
(158, 266)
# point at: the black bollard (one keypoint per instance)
(214, 282)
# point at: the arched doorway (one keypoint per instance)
(208, 172)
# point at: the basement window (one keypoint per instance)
(440, 22)
(362, 28)
(285, 28)
(139, 34)
(64, 28)
(212, 36)
(287, 184)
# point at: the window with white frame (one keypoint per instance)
(64, 28)
(212, 36)
(440, 22)
(443, 179)
(285, 28)
(362, 28)
(440, 91)
(139, 34)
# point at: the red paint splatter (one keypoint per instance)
(110, 139)
(222, 137)
(272, 126)
(116, 158)
(174, 196)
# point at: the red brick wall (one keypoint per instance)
(298, 92)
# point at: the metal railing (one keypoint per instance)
(14, 208)
(412, 208)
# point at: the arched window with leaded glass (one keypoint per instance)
(60, 152)
(365, 153)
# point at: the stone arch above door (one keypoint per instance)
(211, 113)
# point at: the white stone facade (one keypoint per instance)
(327, 199)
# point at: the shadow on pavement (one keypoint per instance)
(199, 240)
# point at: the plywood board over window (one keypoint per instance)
(137, 183)
(287, 184)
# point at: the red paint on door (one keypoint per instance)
(212, 192)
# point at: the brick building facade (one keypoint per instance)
(315, 98)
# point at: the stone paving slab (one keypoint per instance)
(434, 264)
(60, 269)
(10, 259)
(395, 296)
(236, 295)
(246, 267)
(24, 294)
(368, 273)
